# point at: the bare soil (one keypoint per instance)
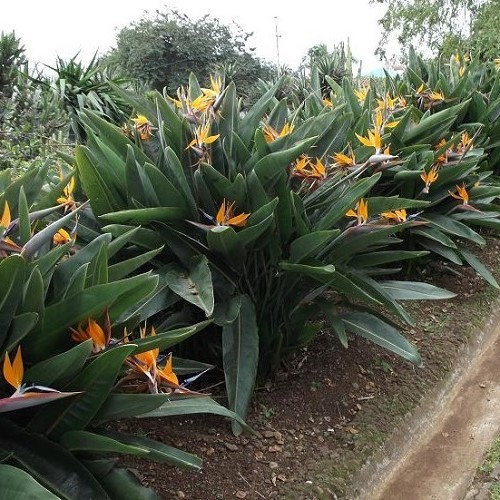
(326, 414)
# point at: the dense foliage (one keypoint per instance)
(254, 208)
(233, 232)
(77, 331)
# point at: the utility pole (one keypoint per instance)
(278, 36)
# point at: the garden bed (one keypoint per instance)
(327, 412)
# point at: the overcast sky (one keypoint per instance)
(57, 27)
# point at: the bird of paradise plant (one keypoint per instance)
(225, 216)
(261, 281)
(54, 445)
(144, 127)
(461, 194)
(360, 213)
(271, 134)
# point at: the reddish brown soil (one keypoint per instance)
(326, 413)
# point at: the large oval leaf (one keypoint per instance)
(240, 347)
(52, 465)
(15, 484)
(372, 328)
(194, 285)
(414, 290)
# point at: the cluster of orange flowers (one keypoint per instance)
(445, 154)
(198, 111)
(360, 212)
(145, 372)
(429, 98)
(308, 169)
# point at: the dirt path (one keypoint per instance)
(436, 455)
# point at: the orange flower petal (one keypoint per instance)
(14, 372)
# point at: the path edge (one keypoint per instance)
(369, 481)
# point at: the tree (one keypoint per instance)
(163, 51)
(485, 37)
(440, 26)
(11, 59)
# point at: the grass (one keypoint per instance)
(492, 459)
(490, 463)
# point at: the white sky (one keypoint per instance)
(49, 28)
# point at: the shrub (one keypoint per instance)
(252, 212)
(57, 291)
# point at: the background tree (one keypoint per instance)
(485, 36)
(441, 26)
(12, 58)
(163, 50)
(29, 116)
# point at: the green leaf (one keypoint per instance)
(414, 290)
(24, 218)
(478, 266)
(339, 208)
(129, 405)
(385, 256)
(308, 245)
(50, 464)
(164, 340)
(166, 192)
(94, 185)
(454, 227)
(113, 135)
(375, 290)
(195, 285)
(431, 128)
(442, 250)
(34, 294)
(127, 266)
(321, 273)
(20, 327)
(12, 271)
(349, 288)
(60, 367)
(69, 267)
(271, 166)
(223, 240)
(140, 216)
(379, 204)
(159, 451)
(96, 381)
(226, 311)
(15, 484)
(435, 234)
(240, 347)
(338, 325)
(95, 443)
(374, 329)
(178, 178)
(122, 484)
(193, 405)
(250, 121)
